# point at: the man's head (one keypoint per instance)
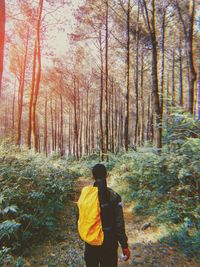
(99, 171)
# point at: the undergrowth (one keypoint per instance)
(34, 190)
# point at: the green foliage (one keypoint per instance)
(166, 186)
(187, 242)
(8, 228)
(34, 190)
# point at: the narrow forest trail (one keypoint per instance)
(65, 249)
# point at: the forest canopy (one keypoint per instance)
(122, 69)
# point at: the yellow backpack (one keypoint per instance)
(89, 223)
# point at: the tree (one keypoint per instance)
(38, 76)
(2, 38)
(151, 25)
(187, 21)
(128, 79)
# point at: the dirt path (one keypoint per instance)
(65, 249)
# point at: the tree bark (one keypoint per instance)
(101, 98)
(37, 84)
(21, 91)
(180, 73)
(156, 102)
(45, 127)
(106, 82)
(137, 79)
(2, 38)
(126, 132)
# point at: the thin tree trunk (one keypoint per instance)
(137, 79)
(21, 91)
(106, 81)
(101, 99)
(52, 127)
(75, 123)
(13, 108)
(2, 38)
(126, 132)
(61, 126)
(163, 65)
(173, 78)
(37, 84)
(142, 118)
(45, 127)
(180, 73)
(31, 97)
(112, 119)
(156, 102)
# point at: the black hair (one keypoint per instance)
(99, 171)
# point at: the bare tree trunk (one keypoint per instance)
(112, 119)
(52, 127)
(2, 38)
(173, 78)
(188, 32)
(21, 91)
(137, 79)
(142, 117)
(45, 127)
(180, 73)
(106, 81)
(101, 98)
(156, 103)
(55, 126)
(163, 65)
(31, 97)
(13, 108)
(126, 132)
(69, 138)
(37, 84)
(61, 126)
(75, 123)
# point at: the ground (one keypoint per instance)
(65, 249)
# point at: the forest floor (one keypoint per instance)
(65, 249)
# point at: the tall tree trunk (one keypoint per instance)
(75, 123)
(45, 127)
(188, 32)
(163, 65)
(142, 117)
(52, 127)
(61, 126)
(21, 91)
(126, 132)
(193, 75)
(2, 38)
(101, 98)
(137, 79)
(180, 73)
(156, 102)
(55, 126)
(31, 97)
(173, 78)
(37, 84)
(13, 108)
(87, 118)
(106, 81)
(69, 138)
(112, 118)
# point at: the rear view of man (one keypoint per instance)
(101, 222)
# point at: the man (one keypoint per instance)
(101, 240)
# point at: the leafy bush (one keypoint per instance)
(166, 186)
(187, 242)
(34, 190)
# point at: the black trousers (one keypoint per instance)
(101, 256)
